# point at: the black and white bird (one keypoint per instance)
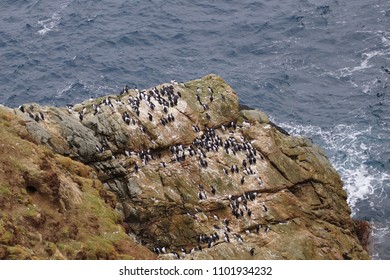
(252, 251)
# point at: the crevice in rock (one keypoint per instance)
(280, 171)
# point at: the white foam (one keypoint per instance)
(51, 23)
(348, 152)
(364, 64)
(93, 90)
(65, 90)
(358, 182)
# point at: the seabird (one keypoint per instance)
(202, 195)
(183, 250)
(252, 251)
(157, 250)
(225, 222)
(171, 118)
(96, 109)
(70, 108)
(136, 167)
(246, 124)
(203, 162)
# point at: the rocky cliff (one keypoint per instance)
(175, 171)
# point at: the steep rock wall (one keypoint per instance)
(195, 177)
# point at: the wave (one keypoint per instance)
(79, 91)
(348, 150)
(51, 23)
(364, 64)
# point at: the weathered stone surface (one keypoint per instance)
(214, 178)
(255, 116)
(53, 207)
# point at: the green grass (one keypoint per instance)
(5, 191)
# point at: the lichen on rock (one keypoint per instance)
(194, 177)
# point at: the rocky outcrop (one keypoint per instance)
(195, 177)
(51, 206)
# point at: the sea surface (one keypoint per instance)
(318, 68)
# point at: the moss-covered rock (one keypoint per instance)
(190, 172)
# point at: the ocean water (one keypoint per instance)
(319, 68)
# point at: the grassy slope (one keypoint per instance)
(51, 207)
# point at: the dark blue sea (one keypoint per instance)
(317, 68)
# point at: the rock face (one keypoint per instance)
(194, 175)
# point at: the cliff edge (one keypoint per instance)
(175, 171)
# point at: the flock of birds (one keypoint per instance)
(141, 106)
(215, 141)
(209, 140)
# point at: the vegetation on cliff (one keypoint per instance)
(177, 171)
(52, 207)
